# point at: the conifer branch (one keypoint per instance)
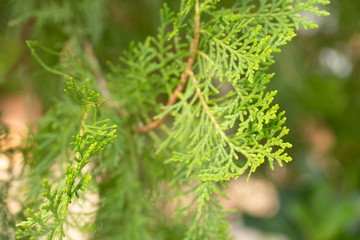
(49, 220)
(183, 77)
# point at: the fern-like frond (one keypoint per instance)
(280, 17)
(92, 138)
(225, 119)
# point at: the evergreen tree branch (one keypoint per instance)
(183, 77)
(92, 138)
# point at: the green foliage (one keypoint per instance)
(90, 141)
(70, 17)
(234, 50)
(210, 64)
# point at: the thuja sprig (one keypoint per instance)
(93, 136)
(224, 120)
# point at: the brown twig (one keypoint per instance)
(183, 77)
(83, 120)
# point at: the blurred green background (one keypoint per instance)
(317, 77)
